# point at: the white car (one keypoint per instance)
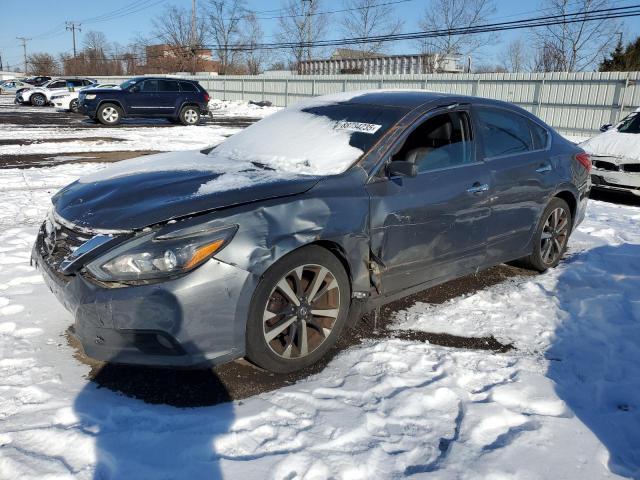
(41, 96)
(69, 100)
(9, 87)
(615, 155)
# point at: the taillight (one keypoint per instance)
(585, 160)
(206, 97)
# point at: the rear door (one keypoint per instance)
(168, 93)
(142, 98)
(434, 225)
(516, 151)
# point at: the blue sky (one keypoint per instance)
(43, 20)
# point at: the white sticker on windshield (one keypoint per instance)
(369, 128)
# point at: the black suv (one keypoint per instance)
(37, 81)
(177, 100)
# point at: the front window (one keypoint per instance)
(316, 138)
(128, 84)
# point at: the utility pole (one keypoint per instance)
(72, 27)
(307, 25)
(24, 49)
(193, 35)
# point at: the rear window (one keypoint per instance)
(168, 86)
(188, 87)
(507, 133)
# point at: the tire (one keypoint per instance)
(189, 115)
(276, 341)
(109, 114)
(38, 100)
(74, 105)
(555, 224)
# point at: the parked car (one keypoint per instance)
(37, 81)
(41, 96)
(271, 243)
(615, 155)
(181, 101)
(69, 100)
(9, 87)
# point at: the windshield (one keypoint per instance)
(128, 83)
(630, 124)
(314, 138)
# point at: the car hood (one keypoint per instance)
(614, 144)
(137, 193)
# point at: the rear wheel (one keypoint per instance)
(109, 114)
(38, 100)
(298, 310)
(551, 237)
(189, 115)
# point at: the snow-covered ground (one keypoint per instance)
(134, 134)
(563, 404)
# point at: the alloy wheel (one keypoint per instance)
(554, 235)
(38, 100)
(110, 114)
(301, 311)
(190, 116)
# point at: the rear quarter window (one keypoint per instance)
(188, 87)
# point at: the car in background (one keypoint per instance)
(41, 96)
(10, 87)
(177, 100)
(69, 101)
(271, 243)
(37, 81)
(615, 155)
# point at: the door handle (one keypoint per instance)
(477, 188)
(543, 168)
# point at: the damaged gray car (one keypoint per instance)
(270, 244)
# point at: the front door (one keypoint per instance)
(168, 92)
(434, 225)
(142, 98)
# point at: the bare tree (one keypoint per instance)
(549, 58)
(448, 15)
(42, 64)
(225, 20)
(300, 24)
(173, 28)
(368, 18)
(255, 58)
(576, 46)
(514, 56)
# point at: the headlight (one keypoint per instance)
(90, 96)
(158, 255)
(55, 97)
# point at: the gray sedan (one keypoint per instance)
(268, 245)
(9, 87)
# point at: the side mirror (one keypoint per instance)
(402, 168)
(134, 89)
(605, 127)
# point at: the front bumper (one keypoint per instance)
(619, 181)
(195, 320)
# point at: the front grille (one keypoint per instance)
(56, 242)
(631, 167)
(602, 165)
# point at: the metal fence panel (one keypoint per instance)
(573, 103)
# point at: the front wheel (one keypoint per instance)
(38, 100)
(551, 237)
(298, 310)
(109, 114)
(189, 116)
(74, 106)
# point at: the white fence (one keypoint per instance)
(574, 103)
